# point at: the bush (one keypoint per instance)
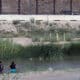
(72, 50)
(8, 50)
(44, 51)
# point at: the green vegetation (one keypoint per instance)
(72, 50)
(8, 51)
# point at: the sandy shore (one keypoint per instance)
(44, 75)
(57, 75)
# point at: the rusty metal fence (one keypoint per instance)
(40, 7)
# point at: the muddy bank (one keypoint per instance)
(24, 66)
(45, 75)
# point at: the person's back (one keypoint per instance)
(13, 67)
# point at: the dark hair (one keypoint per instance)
(12, 62)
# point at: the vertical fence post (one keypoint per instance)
(54, 4)
(19, 6)
(0, 6)
(71, 2)
(36, 6)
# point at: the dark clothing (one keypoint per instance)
(12, 66)
(1, 68)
